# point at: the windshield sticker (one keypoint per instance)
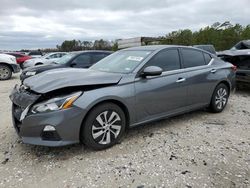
(134, 58)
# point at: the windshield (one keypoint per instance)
(64, 59)
(121, 61)
(47, 55)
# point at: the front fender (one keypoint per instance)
(123, 94)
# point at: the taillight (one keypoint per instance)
(234, 68)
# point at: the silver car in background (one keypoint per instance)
(128, 88)
(44, 60)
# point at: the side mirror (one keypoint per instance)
(73, 64)
(151, 71)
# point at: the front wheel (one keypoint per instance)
(219, 98)
(104, 126)
(5, 72)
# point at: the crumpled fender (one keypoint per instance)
(22, 98)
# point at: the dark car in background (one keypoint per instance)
(128, 88)
(20, 58)
(81, 59)
(35, 53)
(207, 47)
(239, 55)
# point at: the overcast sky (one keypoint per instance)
(42, 23)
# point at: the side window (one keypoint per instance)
(52, 56)
(60, 55)
(166, 59)
(97, 57)
(83, 61)
(192, 58)
(207, 58)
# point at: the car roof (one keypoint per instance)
(6, 55)
(157, 47)
(91, 51)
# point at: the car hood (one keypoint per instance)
(69, 77)
(41, 68)
(234, 52)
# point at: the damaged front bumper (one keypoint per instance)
(33, 128)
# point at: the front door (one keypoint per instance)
(165, 94)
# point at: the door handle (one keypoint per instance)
(213, 70)
(181, 80)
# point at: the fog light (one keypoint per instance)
(49, 128)
(49, 133)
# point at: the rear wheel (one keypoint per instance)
(219, 98)
(104, 126)
(5, 72)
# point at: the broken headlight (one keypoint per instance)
(57, 103)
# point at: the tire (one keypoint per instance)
(21, 66)
(5, 72)
(96, 133)
(220, 98)
(37, 64)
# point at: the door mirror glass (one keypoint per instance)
(152, 71)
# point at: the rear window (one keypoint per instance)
(192, 58)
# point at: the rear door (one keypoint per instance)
(164, 94)
(201, 77)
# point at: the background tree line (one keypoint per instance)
(77, 45)
(222, 35)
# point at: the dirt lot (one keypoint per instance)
(198, 149)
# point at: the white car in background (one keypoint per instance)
(44, 60)
(8, 65)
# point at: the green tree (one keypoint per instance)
(70, 45)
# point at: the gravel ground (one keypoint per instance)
(198, 149)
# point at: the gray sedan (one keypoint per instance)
(128, 88)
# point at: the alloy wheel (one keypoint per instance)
(221, 98)
(106, 127)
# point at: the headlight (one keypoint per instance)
(30, 73)
(57, 103)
